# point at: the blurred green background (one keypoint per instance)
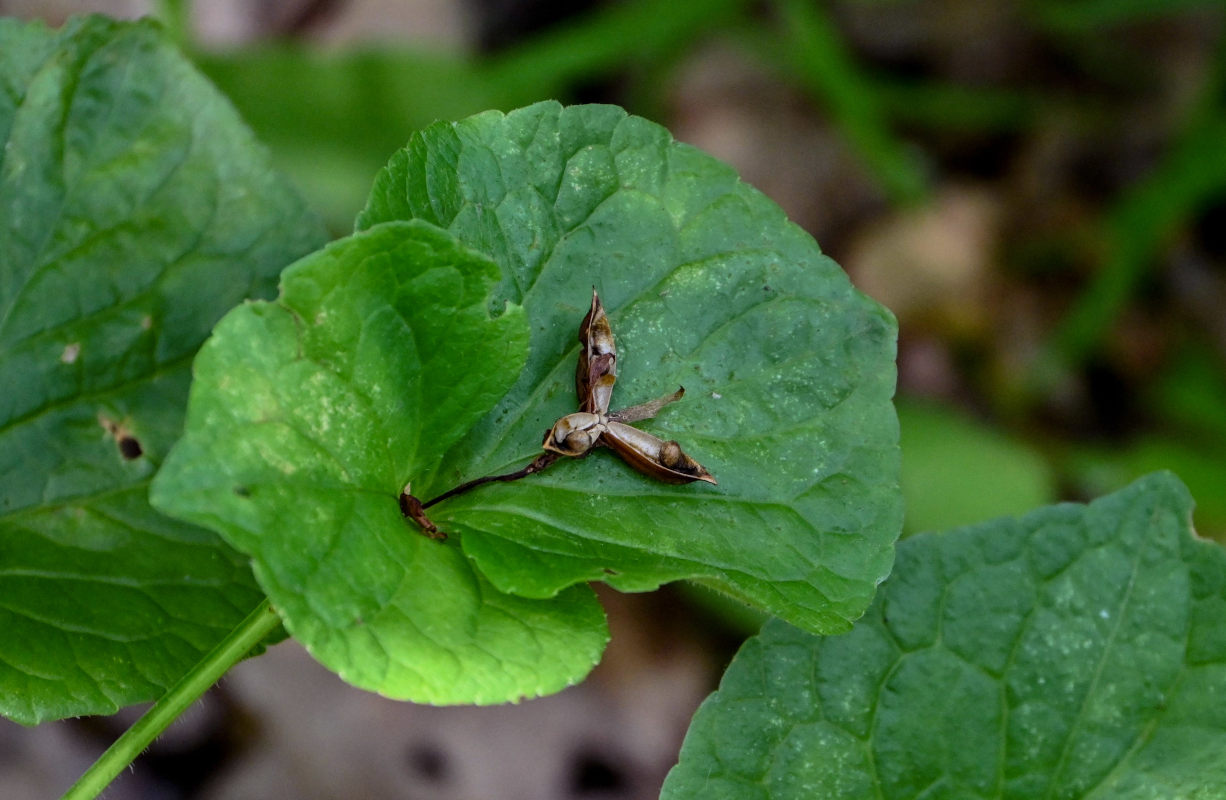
(1037, 188)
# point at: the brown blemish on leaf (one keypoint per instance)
(129, 446)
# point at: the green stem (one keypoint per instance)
(249, 633)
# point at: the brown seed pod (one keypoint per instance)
(653, 456)
(575, 434)
(596, 371)
(671, 455)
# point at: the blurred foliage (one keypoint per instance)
(1098, 125)
(1089, 16)
(1136, 226)
(333, 119)
(1189, 401)
(956, 471)
(1096, 470)
(805, 46)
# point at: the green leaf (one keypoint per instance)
(307, 417)
(1199, 464)
(1075, 652)
(788, 370)
(958, 471)
(135, 209)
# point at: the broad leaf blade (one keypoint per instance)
(135, 209)
(788, 370)
(309, 415)
(1075, 652)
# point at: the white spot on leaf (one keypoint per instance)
(71, 351)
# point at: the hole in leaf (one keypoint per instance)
(129, 447)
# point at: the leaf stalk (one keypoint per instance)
(206, 672)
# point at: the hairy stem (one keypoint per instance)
(249, 633)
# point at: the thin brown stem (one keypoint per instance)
(537, 464)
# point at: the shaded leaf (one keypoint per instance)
(1074, 652)
(135, 209)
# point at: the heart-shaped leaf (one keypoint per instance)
(307, 416)
(788, 370)
(1076, 652)
(135, 209)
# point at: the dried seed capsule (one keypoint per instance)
(671, 455)
(596, 371)
(602, 376)
(575, 434)
(653, 456)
